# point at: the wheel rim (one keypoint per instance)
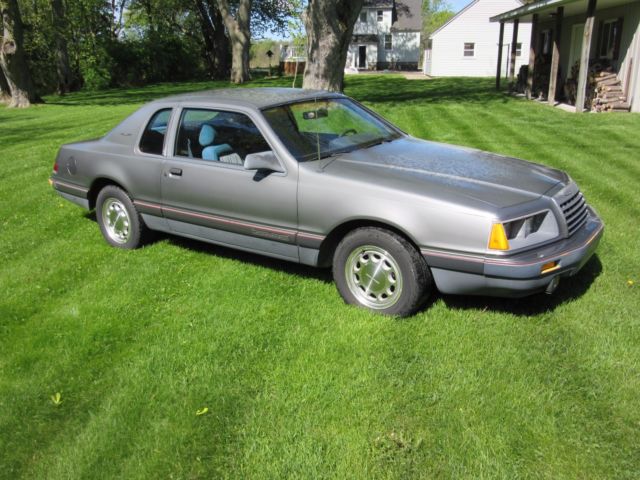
(116, 221)
(373, 277)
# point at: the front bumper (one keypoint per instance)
(517, 275)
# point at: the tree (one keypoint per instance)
(329, 25)
(239, 29)
(216, 42)
(435, 13)
(12, 58)
(296, 33)
(241, 17)
(5, 92)
(60, 28)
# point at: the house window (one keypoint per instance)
(518, 49)
(380, 15)
(609, 39)
(469, 49)
(387, 42)
(363, 16)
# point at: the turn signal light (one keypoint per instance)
(549, 267)
(498, 238)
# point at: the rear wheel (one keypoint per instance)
(380, 270)
(119, 220)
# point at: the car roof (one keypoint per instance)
(257, 98)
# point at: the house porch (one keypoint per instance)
(585, 52)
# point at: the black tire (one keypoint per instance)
(400, 294)
(116, 201)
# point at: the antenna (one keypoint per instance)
(315, 102)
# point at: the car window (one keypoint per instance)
(152, 139)
(218, 136)
(334, 117)
(320, 128)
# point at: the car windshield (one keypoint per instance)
(325, 127)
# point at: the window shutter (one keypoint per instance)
(616, 41)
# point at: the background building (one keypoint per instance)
(387, 36)
(466, 46)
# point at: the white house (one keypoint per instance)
(387, 36)
(466, 46)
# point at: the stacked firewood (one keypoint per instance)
(604, 91)
(608, 94)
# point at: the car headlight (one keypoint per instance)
(524, 231)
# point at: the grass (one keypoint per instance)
(297, 384)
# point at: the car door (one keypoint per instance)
(207, 193)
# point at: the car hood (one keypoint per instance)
(450, 173)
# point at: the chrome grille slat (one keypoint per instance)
(575, 213)
(576, 222)
(572, 201)
(575, 229)
(576, 218)
(575, 209)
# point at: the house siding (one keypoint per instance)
(405, 50)
(446, 56)
(634, 53)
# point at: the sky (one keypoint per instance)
(457, 5)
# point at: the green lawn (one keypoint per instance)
(297, 384)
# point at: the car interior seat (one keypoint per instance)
(211, 152)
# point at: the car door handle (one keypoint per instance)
(176, 172)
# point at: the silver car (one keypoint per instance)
(316, 178)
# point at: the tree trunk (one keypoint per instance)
(240, 46)
(216, 42)
(329, 25)
(5, 91)
(240, 36)
(65, 75)
(12, 58)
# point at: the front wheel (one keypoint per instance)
(380, 270)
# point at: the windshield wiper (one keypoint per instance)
(332, 154)
(374, 143)
(378, 141)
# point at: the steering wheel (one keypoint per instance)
(349, 131)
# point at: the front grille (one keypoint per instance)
(575, 212)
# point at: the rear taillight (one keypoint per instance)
(55, 167)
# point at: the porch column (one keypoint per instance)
(514, 42)
(584, 57)
(532, 54)
(499, 70)
(555, 57)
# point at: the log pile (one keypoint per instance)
(604, 90)
(608, 94)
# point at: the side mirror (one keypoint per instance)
(263, 161)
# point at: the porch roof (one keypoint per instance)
(548, 7)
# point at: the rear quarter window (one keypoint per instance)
(152, 140)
